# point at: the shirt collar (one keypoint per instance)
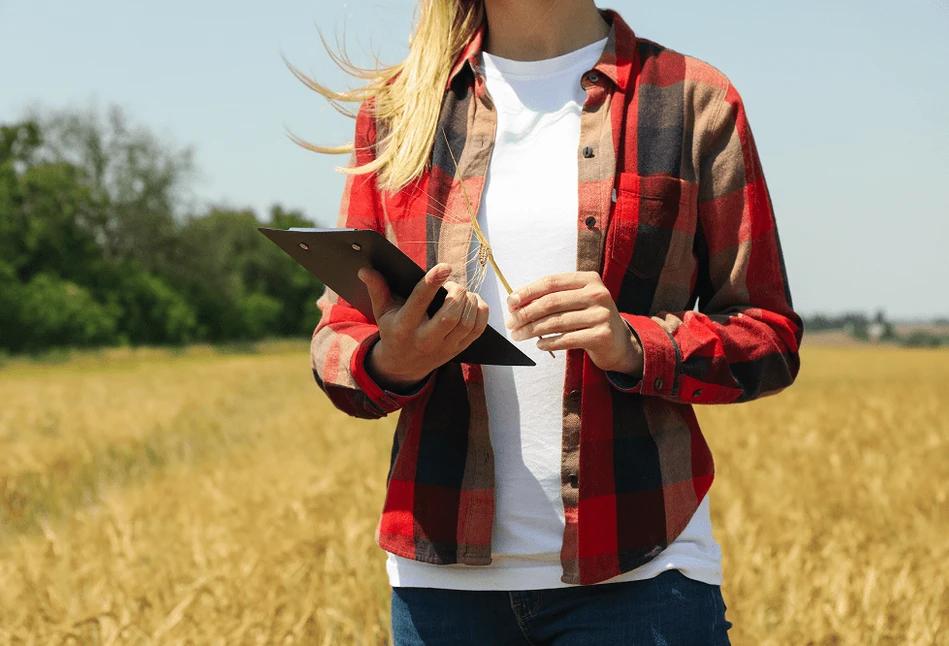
(616, 62)
(469, 56)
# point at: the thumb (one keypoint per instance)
(379, 294)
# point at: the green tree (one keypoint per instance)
(95, 246)
(275, 273)
(48, 252)
(207, 270)
(245, 287)
(142, 183)
(55, 312)
(150, 310)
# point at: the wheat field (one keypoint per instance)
(200, 497)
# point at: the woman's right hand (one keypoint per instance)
(412, 344)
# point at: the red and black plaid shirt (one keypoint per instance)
(675, 216)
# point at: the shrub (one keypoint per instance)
(923, 339)
(58, 313)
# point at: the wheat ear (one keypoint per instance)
(482, 239)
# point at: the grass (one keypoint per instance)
(157, 497)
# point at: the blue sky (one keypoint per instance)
(848, 102)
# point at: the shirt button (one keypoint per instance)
(593, 78)
(591, 222)
(658, 383)
(575, 395)
(697, 393)
(587, 152)
(572, 479)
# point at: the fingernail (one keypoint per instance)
(513, 300)
(443, 272)
(509, 322)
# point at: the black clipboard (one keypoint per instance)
(336, 255)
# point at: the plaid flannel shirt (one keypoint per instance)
(675, 215)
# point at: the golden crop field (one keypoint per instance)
(149, 497)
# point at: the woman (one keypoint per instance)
(619, 187)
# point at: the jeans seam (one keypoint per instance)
(518, 619)
(539, 595)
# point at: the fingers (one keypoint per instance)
(578, 339)
(413, 311)
(379, 294)
(549, 285)
(556, 302)
(467, 321)
(448, 315)
(481, 312)
(481, 322)
(561, 322)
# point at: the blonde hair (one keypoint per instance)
(406, 97)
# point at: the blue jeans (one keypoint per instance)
(668, 610)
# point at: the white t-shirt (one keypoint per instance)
(529, 212)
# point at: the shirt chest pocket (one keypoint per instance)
(652, 224)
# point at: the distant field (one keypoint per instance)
(842, 339)
(151, 497)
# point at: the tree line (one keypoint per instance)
(99, 245)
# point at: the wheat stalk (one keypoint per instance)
(484, 250)
(485, 246)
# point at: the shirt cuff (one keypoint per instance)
(660, 359)
(388, 400)
(620, 380)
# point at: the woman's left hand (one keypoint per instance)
(578, 308)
